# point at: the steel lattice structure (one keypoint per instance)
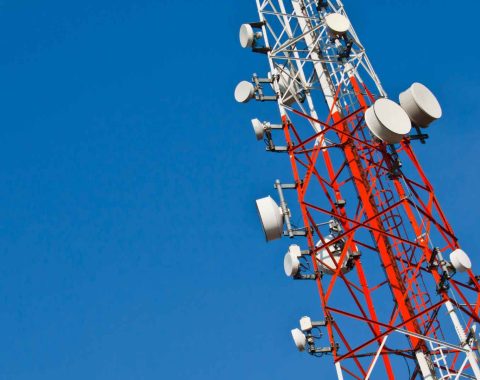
(389, 298)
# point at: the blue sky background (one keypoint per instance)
(130, 242)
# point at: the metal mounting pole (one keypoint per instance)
(284, 207)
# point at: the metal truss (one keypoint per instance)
(398, 312)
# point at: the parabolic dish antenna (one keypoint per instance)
(300, 339)
(388, 121)
(291, 264)
(244, 92)
(247, 36)
(271, 217)
(337, 23)
(421, 105)
(460, 261)
(258, 128)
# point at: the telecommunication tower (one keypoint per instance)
(398, 298)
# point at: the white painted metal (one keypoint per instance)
(299, 69)
(271, 217)
(379, 351)
(471, 355)
(320, 68)
(440, 359)
(432, 340)
(421, 105)
(464, 346)
(338, 368)
(289, 86)
(427, 372)
(460, 371)
(388, 121)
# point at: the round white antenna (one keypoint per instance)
(258, 128)
(388, 121)
(337, 23)
(300, 339)
(244, 92)
(248, 36)
(421, 105)
(295, 250)
(306, 324)
(291, 264)
(271, 217)
(460, 261)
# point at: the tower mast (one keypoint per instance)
(393, 283)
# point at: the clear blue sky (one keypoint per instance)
(129, 237)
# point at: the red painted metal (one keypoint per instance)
(399, 211)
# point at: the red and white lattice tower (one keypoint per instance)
(397, 294)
